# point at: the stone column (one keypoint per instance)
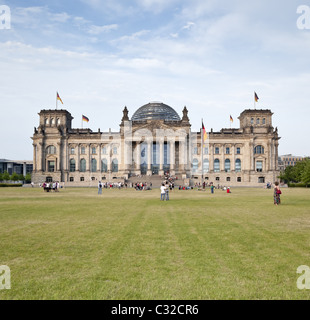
(172, 157)
(41, 157)
(222, 162)
(161, 157)
(109, 158)
(58, 159)
(149, 156)
(89, 158)
(138, 157)
(276, 155)
(182, 155)
(233, 164)
(78, 167)
(211, 159)
(34, 157)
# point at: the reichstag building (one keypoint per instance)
(155, 141)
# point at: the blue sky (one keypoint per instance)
(102, 55)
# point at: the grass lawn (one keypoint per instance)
(127, 244)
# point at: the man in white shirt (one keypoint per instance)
(162, 192)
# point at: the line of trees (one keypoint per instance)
(5, 176)
(300, 173)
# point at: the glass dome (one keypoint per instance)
(155, 111)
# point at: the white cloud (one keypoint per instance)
(102, 29)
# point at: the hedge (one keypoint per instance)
(297, 185)
(3, 185)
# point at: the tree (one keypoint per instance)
(28, 178)
(14, 176)
(289, 175)
(305, 176)
(1, 176)
(5, 176)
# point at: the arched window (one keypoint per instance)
(104, 165)
(216, 165)
(46, 121)
(57, 121)
(259, 150)
(72, 165)
(264, 121)
(114, 165)
(51, 150)
(252, 121)
(238, 165)
(257, 121)
(93, 165)
(52, 121)
(195, 165)
(83, 165)
(205, 165)
(227, 165)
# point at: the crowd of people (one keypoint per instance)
(50, 186)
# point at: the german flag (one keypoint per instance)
(205, 136)
(58, 98)
(255, 96)
(84, 118)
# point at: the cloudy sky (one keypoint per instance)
(102, 55)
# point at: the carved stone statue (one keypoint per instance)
(185, 116)
(125, 114)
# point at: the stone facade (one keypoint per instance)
(152, 145)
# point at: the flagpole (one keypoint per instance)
(56, 101)
(82, 121)
(201, 131)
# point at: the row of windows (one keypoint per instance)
(47, 121)
(216, 150)
(52, 150)
(227, 165)
(94, 150)
(216, 165)
(257, 150)
(292, 159)
(93, 165)
(258, 121)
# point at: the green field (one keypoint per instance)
(127, 244)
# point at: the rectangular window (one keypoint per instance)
(81, 178)
(238, 179)
(217, 178)
(51, 166)
(238, 150)
(228, 179)
(259, 166)
(261, 180)
(71, 150)
(82, 150)
(227, 150)
(71, 179)
(114, 150)
(217, 150)
(93, 150)
(104, 150)
(195, 150)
